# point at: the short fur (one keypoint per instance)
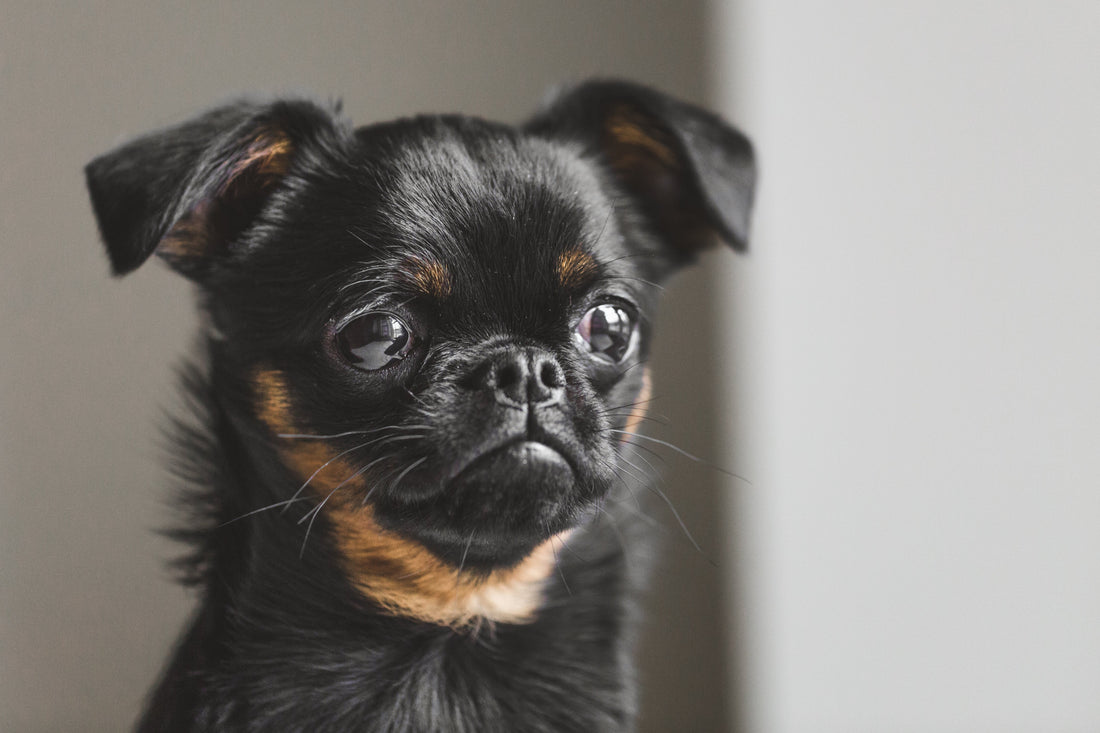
(439, 543)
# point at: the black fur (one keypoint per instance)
(489, 243)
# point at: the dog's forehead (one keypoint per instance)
(471, 156)
(464, 206)
(451, 182)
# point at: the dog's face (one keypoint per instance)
(452, 303)
(441, 323)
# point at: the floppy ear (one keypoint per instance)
(188, 192)
(691, 173)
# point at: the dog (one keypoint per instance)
(416, 400)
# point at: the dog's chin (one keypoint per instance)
(504, 504)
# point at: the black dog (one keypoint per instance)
(421, 376)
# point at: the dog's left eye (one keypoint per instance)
(606, 331)
(374, 341)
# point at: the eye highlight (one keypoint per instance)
(606, 331)
(374, 341)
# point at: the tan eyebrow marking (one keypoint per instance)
(576, 268)
(428, 276)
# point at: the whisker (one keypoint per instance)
(557, 563)
(676, 514)
(684, 453)
(656, 456)
(627, 560)
(462, 562)
(640, 362)
(657, 420)
(359, 472)
(659, 287)
(353, 432)
(405, 473)
(316, 512)
(344, 453)
(369, 493)
(606, 219)
(261, 509)
(630, 256)
(615, 472)
(640, 514)
(643, 459)
(628, 405)
(634, 471)
(351, 231)
(565, 546)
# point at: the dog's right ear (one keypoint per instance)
(692, 175)
(188, 192)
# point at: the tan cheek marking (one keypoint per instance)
(641, 406)
(399, 574)
(312, 460)
(324, 468)
(430, 278)
(575, 268)
(272, 401)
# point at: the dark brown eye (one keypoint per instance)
(374, 341)
(607, 330)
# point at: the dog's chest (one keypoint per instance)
(557, 674)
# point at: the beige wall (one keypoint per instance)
(86, 612)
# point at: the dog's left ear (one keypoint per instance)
(692, 174)
(187, 193)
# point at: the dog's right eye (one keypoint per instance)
(374, 341)
(606, 331)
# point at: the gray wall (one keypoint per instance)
(86, 612)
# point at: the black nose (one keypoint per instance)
(521, 376)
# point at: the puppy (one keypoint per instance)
(422, 369)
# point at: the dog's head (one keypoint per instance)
(441, 322)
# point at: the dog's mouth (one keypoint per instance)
(520, 477)
(519, 459)
(497, 506)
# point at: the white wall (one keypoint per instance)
(918, 339)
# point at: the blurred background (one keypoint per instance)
(904, 367)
